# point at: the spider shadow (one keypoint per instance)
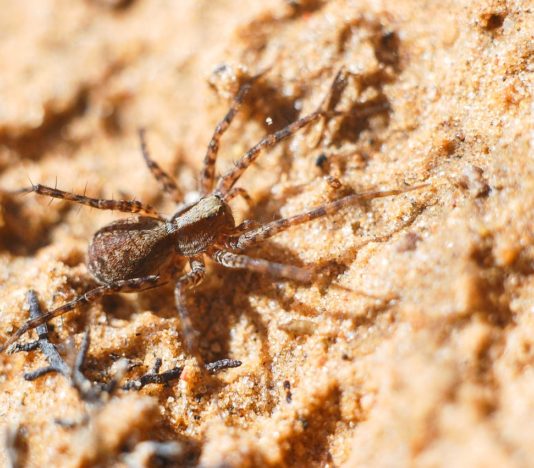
(310, 446)
(326, 279)
(25, 238)
(327, 273)
(35, 143)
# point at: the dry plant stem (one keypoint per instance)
(222, 364)
(155, 377)
(87, 391)
(144, 252)
(55, 361)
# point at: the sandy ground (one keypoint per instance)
(415, 346)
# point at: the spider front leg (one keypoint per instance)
(207, 177)
(188, 281)
(167, 182)
(227, 181)
(130, 285)
(126, 206)
(270, 229)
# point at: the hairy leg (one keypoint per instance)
(188, 281)
(270, 229)
(232, 260)
(167, 182)
(131, 285)
(207, 176)
(126, 206)
(227, 181)
(239, 192)
(245, 226)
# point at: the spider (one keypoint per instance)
(147, 251)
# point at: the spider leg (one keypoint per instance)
(227, 181)
(130, 285)
(167, 182)
(126, 206)
(232, 260)
(188, 281)
(270, 229)
(207, 177)
(245, 226)
(239, 192)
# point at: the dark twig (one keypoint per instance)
(26, 347)
(86, 389)
(55, 361)
(157, 366)
(222, 364)
(154, 376)
(287, 388)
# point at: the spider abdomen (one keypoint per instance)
(130, 248)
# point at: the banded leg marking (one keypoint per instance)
(207, 177)
(166, 181)
(131, 285)
(127, 206)
(232, 260)
(268, 230)
(188, 281)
